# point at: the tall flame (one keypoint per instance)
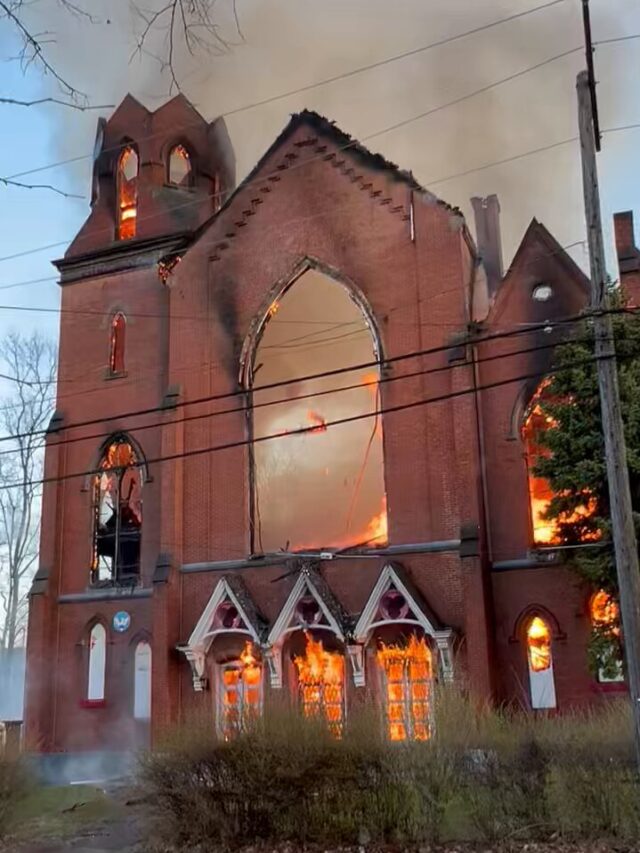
(321, 681)
(241, 693)
(408, 674)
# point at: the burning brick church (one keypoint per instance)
(292, 449)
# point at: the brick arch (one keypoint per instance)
(97, 458)
(529, 613)
(277, 291)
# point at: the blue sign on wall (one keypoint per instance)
(121, 621)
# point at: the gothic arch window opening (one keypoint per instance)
(127, 192)
(536, 421)
(180, 169)
(117, 338)
(97, 663)
(321, 684)
(540, 663)
(239, 693)
(142, 681)
(333, 475)
(117, 507)
(605, 619)
(407, 689)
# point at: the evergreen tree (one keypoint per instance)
(571, 458)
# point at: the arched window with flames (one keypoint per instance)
(540, 663)
(317, 483)
(239, 693)
(180, 171)
(117, 513)
(127, 192)
(320, 674)
(547, 531)
(605, 620)
(407, 679)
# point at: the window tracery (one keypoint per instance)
(117, 514)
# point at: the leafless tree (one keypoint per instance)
(30, 363)
(184, 24)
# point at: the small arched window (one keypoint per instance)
(142, 682)
(605, 619)
(127, 193)
(540, 660)
(97, 663)
(180, 173)
(117, 509)
(117, 343)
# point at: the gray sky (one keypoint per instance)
(291, 43)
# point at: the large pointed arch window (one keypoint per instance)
(127, 193)
(407, 674)
(549, 531)
(117, 508)
(317, 484)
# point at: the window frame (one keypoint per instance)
(542, 683)
(128, 149)
(409, 723)
(189, 174)
(117, 345)
(116, 576)
(224, 730)
(96, 678)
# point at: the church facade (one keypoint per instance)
(292, 447)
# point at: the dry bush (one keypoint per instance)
(508, 775)
(290, 779)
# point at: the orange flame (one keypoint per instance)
(321, 681)
(539, 645)
(241, 691)
(377, 530)
(605, 611)
(320, 424)
(273, 309)
(408, 671)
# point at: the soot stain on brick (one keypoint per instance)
(225, 302)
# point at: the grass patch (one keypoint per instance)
(59, 811)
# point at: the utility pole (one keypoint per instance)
(624, 537)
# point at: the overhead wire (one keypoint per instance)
(376, 363)
(353, 143)
(200, 451)
(251, 406)
(308, 87)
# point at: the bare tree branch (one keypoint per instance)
(32, 51)
(189, 23)
(9, 183)
(74, 106)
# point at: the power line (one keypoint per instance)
(353, 143)
(251, 406)
(321, 375)
(304, 430)
(353, 72)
